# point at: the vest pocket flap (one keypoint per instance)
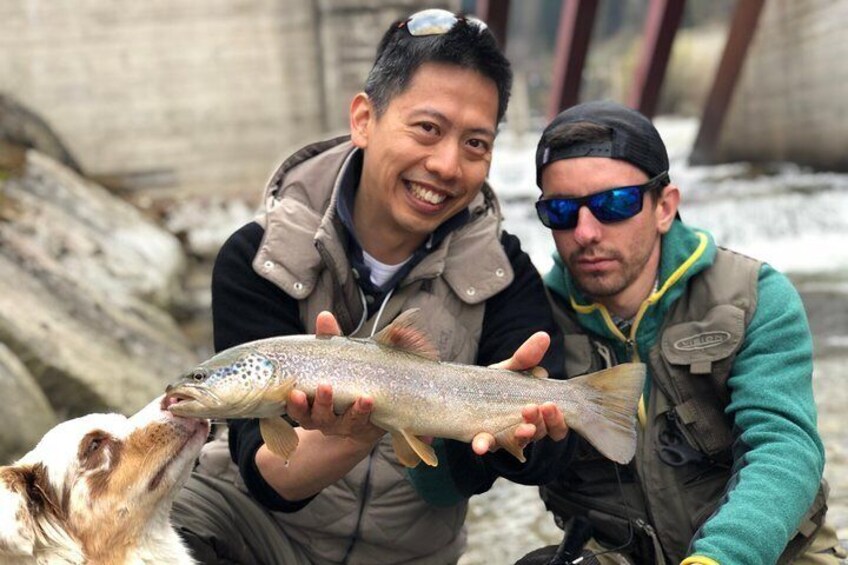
(701, 343)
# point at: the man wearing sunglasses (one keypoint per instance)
(729, 461)
(395, 216)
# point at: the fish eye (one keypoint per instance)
(198, 376)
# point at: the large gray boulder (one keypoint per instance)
(26, 415)
(80, 272)
(96, 238)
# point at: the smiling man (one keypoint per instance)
(729, 462)
(395, 216)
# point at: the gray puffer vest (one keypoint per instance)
(373, 515)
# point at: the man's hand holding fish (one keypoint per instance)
(539, 420)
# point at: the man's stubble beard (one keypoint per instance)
(612, 283)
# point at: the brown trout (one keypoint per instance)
(414, 393)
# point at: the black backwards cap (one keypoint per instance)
(634, 138)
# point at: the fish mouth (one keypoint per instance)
(192, 402)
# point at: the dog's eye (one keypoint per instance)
(93, 448)
(95, 443)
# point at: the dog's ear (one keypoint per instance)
(17, 524)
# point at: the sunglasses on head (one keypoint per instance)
(436, 22)
(613, 205)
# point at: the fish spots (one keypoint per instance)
(244, 373)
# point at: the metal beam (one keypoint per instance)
(661, 25)
(496, 15)
(742, 29)
(575, 30)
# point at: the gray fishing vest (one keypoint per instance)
(664, 502)
(373, 514)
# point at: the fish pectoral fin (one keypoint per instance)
(507, 440)
(279, 436)
(410, 450)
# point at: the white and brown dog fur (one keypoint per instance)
(98, 489)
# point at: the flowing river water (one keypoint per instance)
(796, 220)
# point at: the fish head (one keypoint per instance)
(232, 384)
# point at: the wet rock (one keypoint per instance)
(28, 416)
(97, 239)
(82, 276)
(85, 353)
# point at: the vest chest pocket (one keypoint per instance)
(692, 366)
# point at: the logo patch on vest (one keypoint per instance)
(701, 341)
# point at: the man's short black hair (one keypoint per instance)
(466, 45)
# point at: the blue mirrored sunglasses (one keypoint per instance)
(436, 22)
(613, 205)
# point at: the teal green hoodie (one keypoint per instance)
(779, 457)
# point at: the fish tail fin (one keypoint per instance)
(608, 419)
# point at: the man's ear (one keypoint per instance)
(361, 115)
(17, 533)
(666, 210)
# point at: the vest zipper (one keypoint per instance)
(659, 558)
(630, 350)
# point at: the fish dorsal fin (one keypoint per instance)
(405, 333)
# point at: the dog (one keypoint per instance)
(98, 489)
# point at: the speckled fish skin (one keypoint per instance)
(409, 392)
(418, 395)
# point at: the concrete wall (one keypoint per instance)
(791, 102)
(204, 95)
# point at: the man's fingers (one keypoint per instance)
(526, 432)
(554, 421)
(483, 443)
(530, 413)
(322, 415)
(297, 406)
(528, 355)
(326, 324)
(323, 397)
(360, 410)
